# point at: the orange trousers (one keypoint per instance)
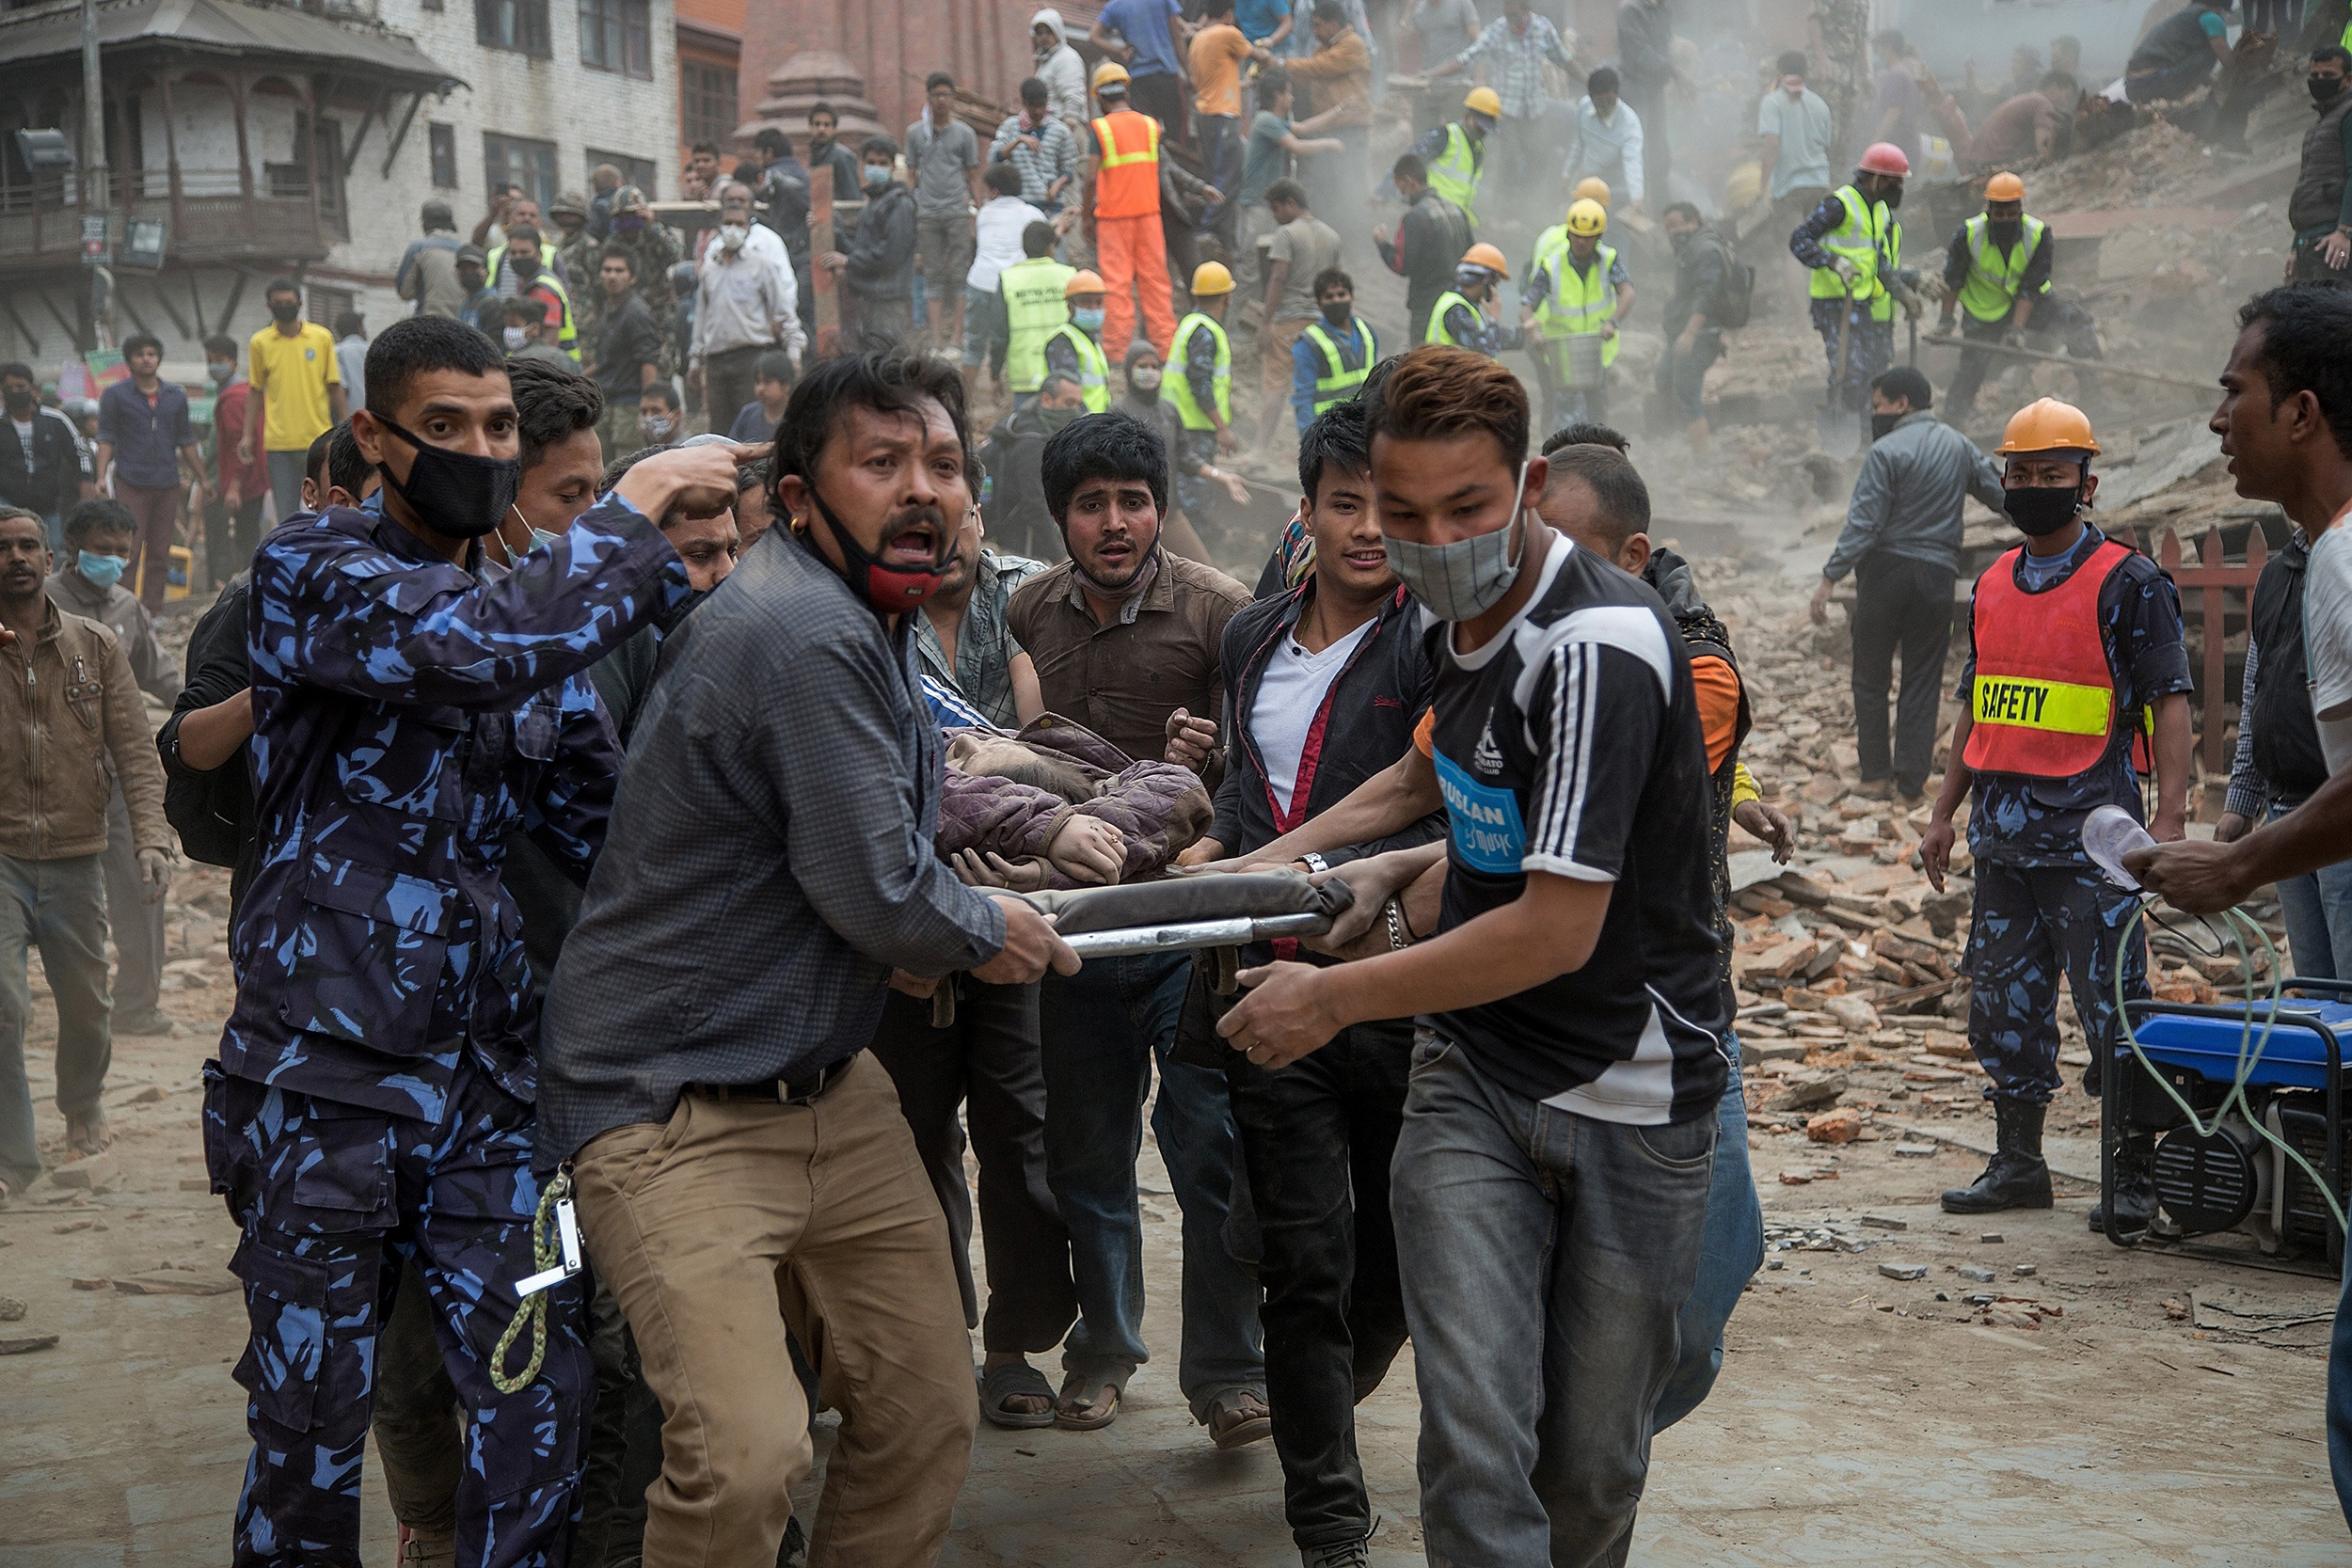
(1134, 250)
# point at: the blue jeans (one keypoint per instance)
(1101, 1029)
(61, 908)
(985, 339)
(287, 471)
(1731, 1252)
(2318, 911)
(1531, 1237)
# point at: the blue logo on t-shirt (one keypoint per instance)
(1488, 833)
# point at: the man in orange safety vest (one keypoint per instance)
(1122, 208)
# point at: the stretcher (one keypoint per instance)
(1192, 913)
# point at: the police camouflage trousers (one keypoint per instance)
(2032, 924)
(331, 1198)
(1871, 350)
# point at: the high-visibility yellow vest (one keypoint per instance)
(1176, 387)
(1342, 375)
(1579, 302)
(1869, 238)
(1454, 172)
(1993, 278)
(1438, 313)
(1034, 307)
(567, 335)
(1094, 369)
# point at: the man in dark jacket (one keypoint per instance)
(1695, 340)
(1429, 242)
(44, 469)
(879, 266)
(2320, 208)
(1015, 511)
(781, 187)
(1323, 687)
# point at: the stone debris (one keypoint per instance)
(1975, 1276)
(1904, 1271)
(25, 1343)
(1820, 1236)
(92, 1173)
(1841, 1126)
(11, 1310)
(1886, 1222)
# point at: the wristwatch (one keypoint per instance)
(1316, 861)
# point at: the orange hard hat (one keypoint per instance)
(1084, 282)
(2005, 186)
(1884, 157)
(1484, 255)
(2046, 425)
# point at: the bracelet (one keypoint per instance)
(1398, 941)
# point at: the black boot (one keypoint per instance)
(2017, 1178)
(2135, 1190)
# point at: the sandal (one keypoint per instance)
(1010, 1381)
(1077, 1394)
(1237, 1418)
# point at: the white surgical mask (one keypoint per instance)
(1463, 580)
(732, 235)
(515, 337)
(656, 428)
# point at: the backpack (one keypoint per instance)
(1738, 296)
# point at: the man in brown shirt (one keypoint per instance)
(1125, 638)
(69, 704)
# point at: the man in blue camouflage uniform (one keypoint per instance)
(373, 1101)
(2067, 619)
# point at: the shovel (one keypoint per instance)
(1833, 425)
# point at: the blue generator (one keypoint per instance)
(2233, 1178)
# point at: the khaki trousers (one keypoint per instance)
(734, 1218)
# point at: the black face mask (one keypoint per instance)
(888, 590)
(526, 269)
(286, 310)
(455, 493)
(1341, 313)
(1881, 423)
(2005, 233)
(18, 402)
(2324, 88)
(2041, 510)
(1892, 196)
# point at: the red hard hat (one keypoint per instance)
(1884, 157)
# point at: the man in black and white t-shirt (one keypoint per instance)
(1551, 1183)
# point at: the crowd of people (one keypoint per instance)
(502, 719)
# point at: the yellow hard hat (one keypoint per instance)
(1587, 217)
(1084, 281)
(1209, 277)
(2005, 187)
(2046, 425)
(1110, 71)
(1486, 100)
(1591, 188)
(1484, 255)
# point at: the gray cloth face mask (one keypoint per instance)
(1463, 580)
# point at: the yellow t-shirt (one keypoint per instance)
(290, 377)
(1216, 57)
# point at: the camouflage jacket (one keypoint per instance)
(407, 716)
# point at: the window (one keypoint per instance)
(520, 25)
(442, 139)
(323, 303)
(709, 108)
(634, 172)
(511, 160)
(614, 35)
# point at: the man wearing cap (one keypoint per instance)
(579, 252)
(2074, 660)
(428, 268)
(652, 246)
(482, 309)
(1576, 287)
(1454, 155)
(1465, 314)
(1855, 248)
(1123, 207)
(1199, 387)
(1998, 270)
(1071, 350)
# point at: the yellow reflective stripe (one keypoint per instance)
(2059, 707)
(1113, 158)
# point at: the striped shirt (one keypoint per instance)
(981, 673)
(1516, 73)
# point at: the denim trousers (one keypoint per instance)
(1101, 1030)
(1317, 1137)
(1532, 1238)
(2318, 910)
(1730, 1253)
(286, 474)
(135, 923)
(61, 908)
